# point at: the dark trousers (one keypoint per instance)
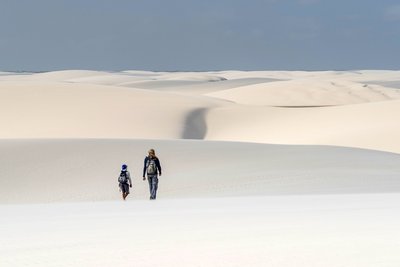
(124, 188)
(153, 185)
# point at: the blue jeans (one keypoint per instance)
(153, 185)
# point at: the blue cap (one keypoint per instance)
(124, 167)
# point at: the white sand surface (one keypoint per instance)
(225, 105)
(303, 92)
(86, 170)
(74, 110)
(260, 168)
(320, 230)
(369, 125)
(219, 204)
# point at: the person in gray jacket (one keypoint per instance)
(152, 167)
(125, 181)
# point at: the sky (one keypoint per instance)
(194, 35)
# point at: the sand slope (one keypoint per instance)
(368, 125)
(229, 198)
(330, 230)
(300, 93)
(225, 105)
(65, 110)
(87, 170)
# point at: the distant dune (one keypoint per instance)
(259, 168)
(350, 108)
(112, 121)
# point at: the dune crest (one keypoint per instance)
(287, 169)
(281, 107)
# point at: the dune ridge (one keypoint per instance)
(279, 107)
(259, 168)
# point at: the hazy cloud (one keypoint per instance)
(199, 35)
(308, 2)
(393, 13)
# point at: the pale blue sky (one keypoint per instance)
(199, 35)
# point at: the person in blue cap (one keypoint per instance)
(125, 181)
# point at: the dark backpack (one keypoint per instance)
(123, 178)
(151, 166)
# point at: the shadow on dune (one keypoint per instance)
(195, 124)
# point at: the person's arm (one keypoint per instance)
(144, 168)
(129, 179)
(158, 166)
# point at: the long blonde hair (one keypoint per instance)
(152, 153)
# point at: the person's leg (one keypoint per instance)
(121, 189)
(125, 191)
(155, 187)
(150, 179)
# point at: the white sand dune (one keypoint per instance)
(322, 230)
(236, 196)
(70, 110)
(197, 88)
(367, 125)
(219, 204)
(307, 93)
(62, 75)
(87, 170)
(84, 105)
